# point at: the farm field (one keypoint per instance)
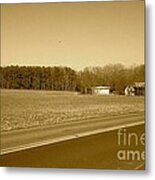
(22, 109)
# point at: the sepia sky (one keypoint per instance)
(72, 34)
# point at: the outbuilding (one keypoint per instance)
(101, 90)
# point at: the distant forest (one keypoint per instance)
(66, 79)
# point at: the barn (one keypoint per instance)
(136, 89)
(101, 90)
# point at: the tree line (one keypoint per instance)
(116, 76)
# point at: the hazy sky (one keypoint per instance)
(72, 34)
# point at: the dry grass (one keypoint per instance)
(26, 108)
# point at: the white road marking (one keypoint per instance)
(138, 167)
(65, 138)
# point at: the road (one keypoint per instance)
(95, 151)
(78, 145)
(27, 138)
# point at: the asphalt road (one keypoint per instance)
(94, 151)
(33, 137)
(89, 144)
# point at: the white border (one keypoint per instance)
(70, 174)
(36, 1)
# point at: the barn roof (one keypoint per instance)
(139, 84)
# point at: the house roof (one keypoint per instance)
(102, 87)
